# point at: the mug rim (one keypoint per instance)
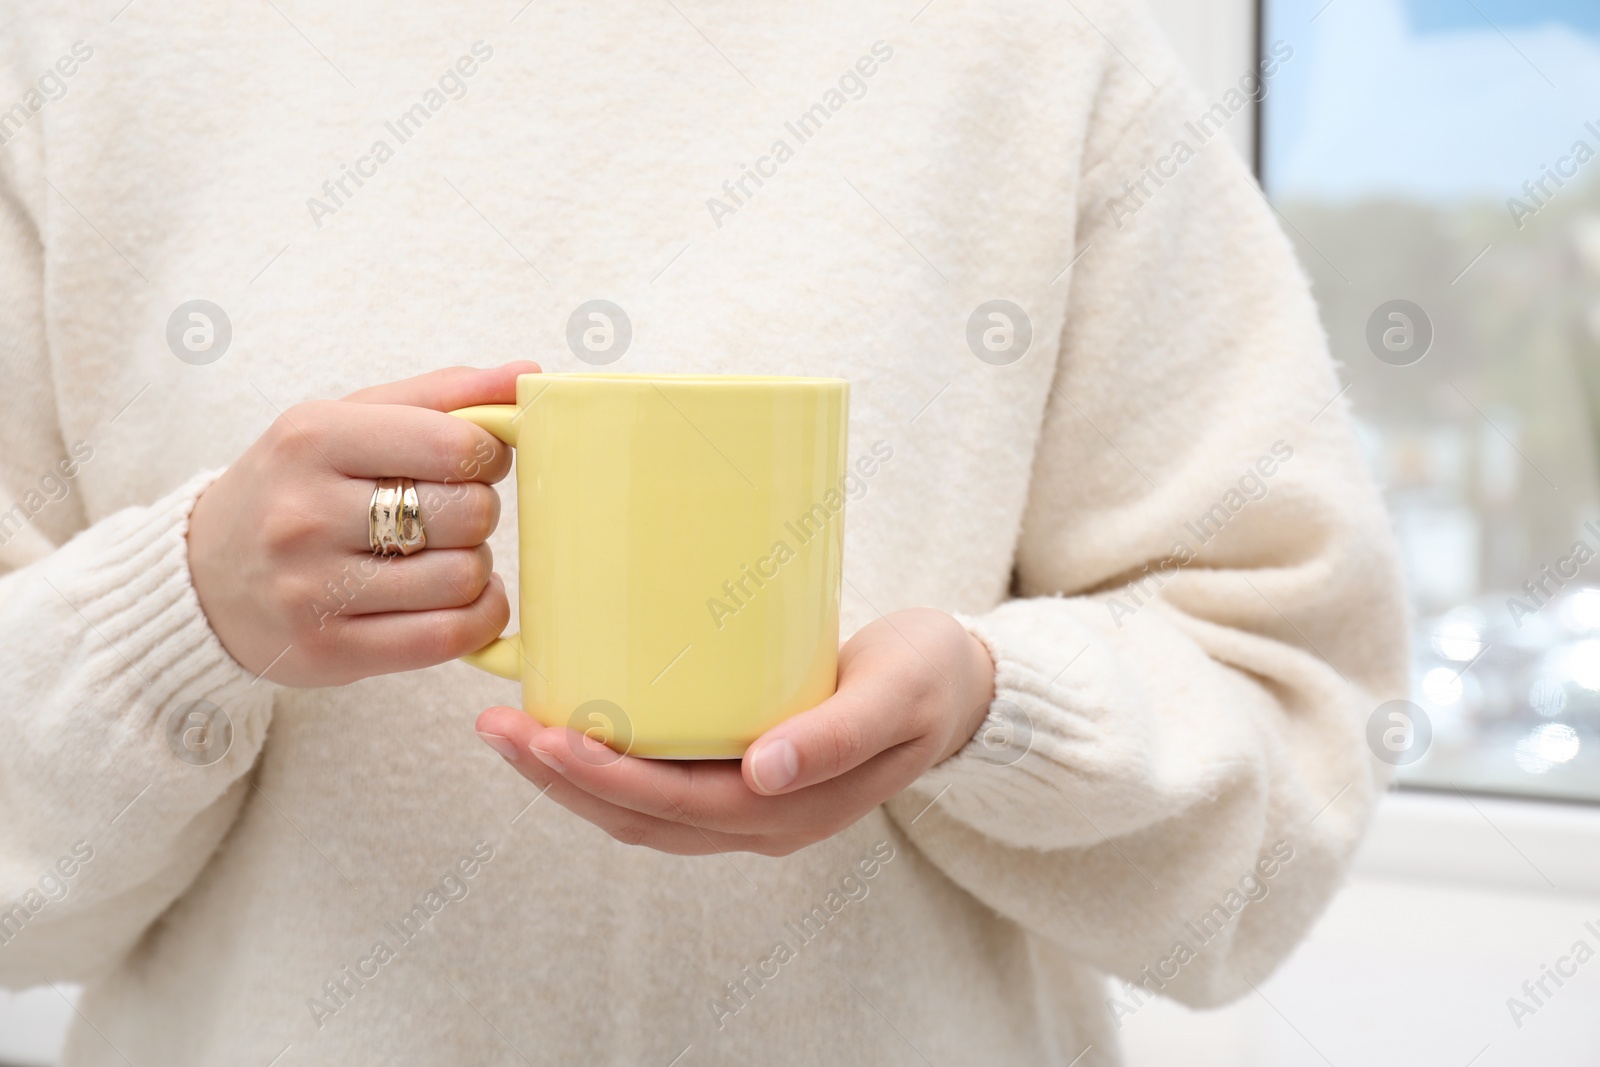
(688, 379)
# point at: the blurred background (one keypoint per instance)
(1425, 151)
(1392, 144)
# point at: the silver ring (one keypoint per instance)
(394, 518)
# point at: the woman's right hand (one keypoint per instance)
(279, 550)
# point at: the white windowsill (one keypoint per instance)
(1485, 841)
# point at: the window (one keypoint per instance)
(1438, 165)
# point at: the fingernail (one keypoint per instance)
(549, 759)
(501, 744)
(775, 765)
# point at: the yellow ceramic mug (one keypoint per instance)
(682, 541)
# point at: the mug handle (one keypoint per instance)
(503, 655)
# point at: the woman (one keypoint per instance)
(1119, 600)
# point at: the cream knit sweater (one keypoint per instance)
(1155, 518)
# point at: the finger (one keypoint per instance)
(453, 516)
(451, 387)
(391, 440)
(712, 795)
(859, 721)
(411, 640)
(428, 581)
(507, 730)
(698, 792)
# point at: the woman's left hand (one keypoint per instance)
(914, 687)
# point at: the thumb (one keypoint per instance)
(451, 387)
(840, 734)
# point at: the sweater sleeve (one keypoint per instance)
(126, 729)
(1207, 605)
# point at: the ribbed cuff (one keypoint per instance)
(128, 578)
(1008, 779)
(1027, 700)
